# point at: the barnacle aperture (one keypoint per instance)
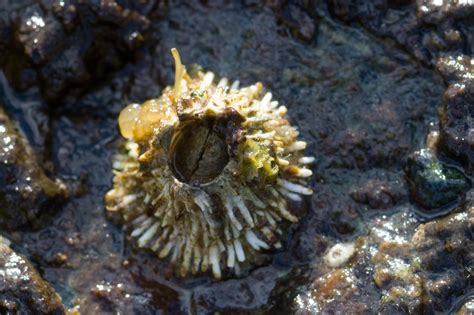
(207, 172)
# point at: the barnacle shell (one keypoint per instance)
(207, 173)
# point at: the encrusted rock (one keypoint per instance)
(457, 115)
(27, 195)
(379, 190)
(22, 290)
(410, 24)
(68, 45)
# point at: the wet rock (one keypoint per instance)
(27, 195)
(400, 267)
(432, 184)
(298, 21)
(120, 298)
(108, 287)
(457, 114)
(379, 190)
(69, 45)
(30, 113)
(5, 34)
(392, 309)
(426, 29)
(445, 288)
(399, 281)
(467, 307)
(241, 295)
(442, 247)
(334, 291)
(22, 290)
(445, 244)
(39, 35)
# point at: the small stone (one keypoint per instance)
(433, 184)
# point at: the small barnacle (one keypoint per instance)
(207, 174)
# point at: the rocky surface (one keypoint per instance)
(427, 29)
(467, 307)
(27, 196)
(457, 115)
(417, 269)
(439, 34)
(364, 103)
(22, 290)
(65, 46)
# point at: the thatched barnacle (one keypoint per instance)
(207, 173)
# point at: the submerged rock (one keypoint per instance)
(27, 195)
(22, 290)
(432, 184)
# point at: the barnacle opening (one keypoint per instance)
(198, 153)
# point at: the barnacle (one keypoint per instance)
(208, 172)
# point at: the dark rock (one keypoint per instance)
(299, 22)
(119, 296)
(27, 195)
(416, 268)
(445, 244)
(445, 288)
(443, 247)
(467, 308)
(379, 190)
(30, 114)
(457, 114)
(392, 309)
(425, 29)
(22, 290)
(69, 45)
(41, 36)
(433, 184)
(5, 34)
(240, 295)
